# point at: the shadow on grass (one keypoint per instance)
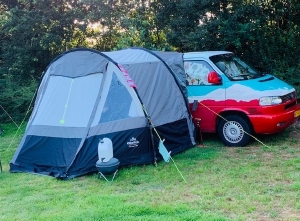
(210, 148)
(271, 139)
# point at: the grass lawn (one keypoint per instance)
(257, 182)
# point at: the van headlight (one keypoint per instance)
(265, 101)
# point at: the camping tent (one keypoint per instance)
(86, 95)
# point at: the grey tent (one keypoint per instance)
(86, 95)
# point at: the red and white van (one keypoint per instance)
(235, 100)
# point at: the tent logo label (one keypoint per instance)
(133, 142)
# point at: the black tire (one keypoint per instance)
(235, 131)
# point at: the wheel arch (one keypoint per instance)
(226, 113)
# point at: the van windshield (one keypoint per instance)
(234, 68)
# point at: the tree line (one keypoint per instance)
(33, 32)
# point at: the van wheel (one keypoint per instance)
(235, 131)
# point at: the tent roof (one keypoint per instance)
(132, 56)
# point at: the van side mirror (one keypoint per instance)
(214, 78)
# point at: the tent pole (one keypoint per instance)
(152, 142)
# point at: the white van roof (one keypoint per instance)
(203, 54)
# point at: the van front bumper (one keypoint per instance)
(274, 123)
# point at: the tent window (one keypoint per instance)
(118, 102)
(68, 102)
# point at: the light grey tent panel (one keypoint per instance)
(39, 94)
(157, 87)
(131, 56)
(119, 108)
(119, 101)
(56, 131)
(121, 125)
(56, 109)
(64, 95)
(78, 64)
(170, 103)
(175, 61)
(66, 86)
(163, 102)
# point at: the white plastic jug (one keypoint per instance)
(105, 150)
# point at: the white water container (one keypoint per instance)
(105, 150)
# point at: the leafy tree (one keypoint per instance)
(140, 28)
(265, 33)
(115, 24)
(33, 33)
(103, 19)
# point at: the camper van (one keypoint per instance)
(231, 98)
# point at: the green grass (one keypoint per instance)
(256, 182)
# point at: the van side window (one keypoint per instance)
(197, 72)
